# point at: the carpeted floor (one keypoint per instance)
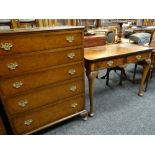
(118, 110)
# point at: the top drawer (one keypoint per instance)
(34, 41)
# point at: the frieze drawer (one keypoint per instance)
(138, 57)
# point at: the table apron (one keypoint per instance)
(117, 61)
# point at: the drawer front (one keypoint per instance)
(138, 57)
(12, 65)
(1, 127)
(29, 81)
(19, 43)
(109, 63)
(43, 96)
(51, 113)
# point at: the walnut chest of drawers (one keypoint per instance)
(41, 76)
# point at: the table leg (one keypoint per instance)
(91, 76)
(146, 67)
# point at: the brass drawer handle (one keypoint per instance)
(70, 38)
(17, 84)
(6, 46)
(74, 105)
(73, 88)
(72, 71)
(110, 63)
(138, 57)
(28, 122)
(23, 103)
(71, 55)
(12, 66)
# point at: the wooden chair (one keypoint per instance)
(112, 40)
(151, 31)
(153, 63)
(150, 44)
(152, 69)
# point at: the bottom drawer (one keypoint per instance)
(36, 119)
(2, 131)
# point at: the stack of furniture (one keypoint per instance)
(41, 76)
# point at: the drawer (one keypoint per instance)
(42, 96)
(109, 63)
(2, 131)
(21, 42)
(138, 57)
(11, 65)
(29, 81)
(39, 117)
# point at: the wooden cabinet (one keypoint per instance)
(41, 76)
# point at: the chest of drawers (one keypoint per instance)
(41, 76)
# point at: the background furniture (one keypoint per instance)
(6, 24)
(26, 23)
(98, 58)
(120, 34)
(109, 33)
(56, 22)
(41, 76)
(142, 35)
(151, 33)
(94, 40)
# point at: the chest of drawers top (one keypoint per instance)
(38, 39)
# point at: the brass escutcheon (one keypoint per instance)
(71, 55)
(73, 105)
(138, 57)
(12, 66)
(72, 71)
(28, 122)
(73, 88)
(70, 38)
(110, 63)
(6, 46)
(17, 84)
(23, 103)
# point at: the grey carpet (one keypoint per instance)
(118, 110)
